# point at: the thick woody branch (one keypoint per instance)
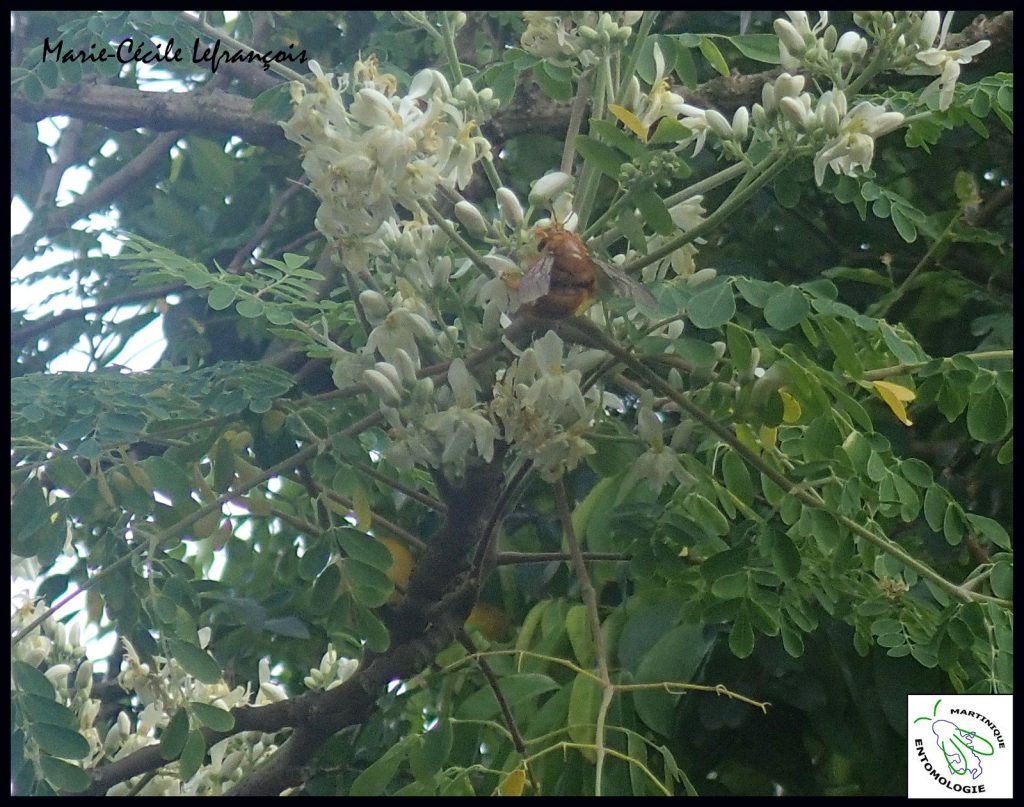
(121, 108)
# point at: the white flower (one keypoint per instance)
(851, 47)
(936, 61)
(660, 101)
(854, 146)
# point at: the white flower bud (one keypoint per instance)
(631, 17)
(462, 383)
(830, 119)
(379, 383)
(390, 372)
(472, 219)
(230, 763)
(632, 95)
(272, 693)
(719, 349)
(374, 304)
(740, 124)
(549, 186)
(508, 204)
(58, 675)
(929, 28)
(719, 125)
(404, 364)
(702, 276)
(787, 85)
(83, 678)
(828, 39)
(851, 46)
(204, 636)
(790, 37)
(420, 327)
(768, 98)
(794, 111)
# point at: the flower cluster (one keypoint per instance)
(542, 409)
(441, 427)
(849, 134)
(910, 42)
(936, 61)
(59, 652)
(659, 462)
(383, 149)
(575, 39)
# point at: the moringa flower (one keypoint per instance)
(854, 146)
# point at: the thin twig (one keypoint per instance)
(510, 721)
(589, 596)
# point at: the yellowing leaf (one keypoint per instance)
(491, 620)
(361, 507)
(513, 784)
(401, 562)
(767, 435)
(894, 396)
(791, 410)
(631, 121)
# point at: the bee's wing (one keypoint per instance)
(626, 286)
(537, 280)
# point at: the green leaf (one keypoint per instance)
(172, 739)
(28, 679)
(371, 629)
(759, 47)
(935, 507)
(554, 86)
(168, 477)
(712, 307)
(221, 297)
(675, 657)
(290, 626)
(668, 130)
(59, 740)
(250, 308)
(686, 67)
(731, 586)
(517, 688)
(706, 514)
(603, 157)
(64, 776)
(195, 661)
(613, 136)
(785, 556)
(741, 638)
(990, 530)
(655, 214)
(714, 55)
(988, 416)
(786, 308)
(1002, 580)
(362, 547)
(737, 478)
(192, 755)
(45, 710)
(375, 778)
(584, 702)
(370, 586)
(212, 716)
(904, 226)
(430, 756)
(580, 637)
